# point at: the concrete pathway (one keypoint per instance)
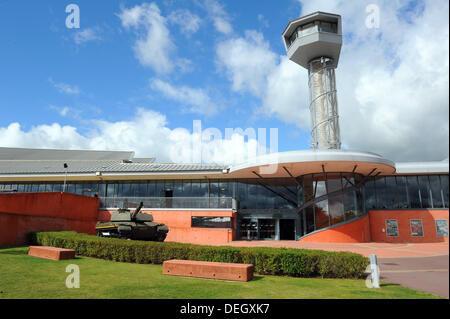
(429, 274)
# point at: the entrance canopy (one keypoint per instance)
(297, 163)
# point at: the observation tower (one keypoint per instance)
(314, 42)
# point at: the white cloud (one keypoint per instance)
(147, 133)
(189, 22)
(65, 88)
(86, 35)
(263, 20)
(154, 46)
(197, 100)
(253, 67)
(66, 111)
(220, 18)
(392, 82)
(247, 61)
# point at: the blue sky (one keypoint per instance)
(221, 62)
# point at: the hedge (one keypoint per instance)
(270, 261)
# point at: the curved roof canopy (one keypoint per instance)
(297, 163)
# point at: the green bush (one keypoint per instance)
(271, 261)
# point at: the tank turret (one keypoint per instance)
(132, 225)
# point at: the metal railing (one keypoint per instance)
(167, 202)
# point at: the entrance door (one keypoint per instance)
(287, 229)
(266, 228)
(248, 229)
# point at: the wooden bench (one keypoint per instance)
(52, 253)
(208, 269)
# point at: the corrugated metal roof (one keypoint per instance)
(79, 167)
(33, 154)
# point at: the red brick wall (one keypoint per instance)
(180, 230)
(403, 217)
(26, 212)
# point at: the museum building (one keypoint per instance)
(311, 195)
(325, 194)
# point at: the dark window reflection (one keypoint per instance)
(435, 187)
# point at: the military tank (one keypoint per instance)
(132, 225)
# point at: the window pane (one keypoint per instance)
(320, 188)
(390, 193)
(308, 188)
(101, 189)
(242, 194)
(309, 216)
(160, 189)
(211, 222)
(110, 190)
(424, 188)
(333, 183)
(70, 188)
(151, 189)
(359, 202)
(263, 196)
(400, 197)
(118, 190)
(370, 194)
(350, 206)
(336, 208)
(84, 189)
(413, 192)
(57, 187)
(141, 190)
(444, 184)
(252, 195)
(187, 188)
(308, 29)
(178, 189)
(328, 27)
(321, 214)
(380, 185)
(213, 189)
(435, 185)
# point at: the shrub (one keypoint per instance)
(271, 261)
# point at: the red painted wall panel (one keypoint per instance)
(180, 230)
(353, 232)
(26, 212)
(428, 216)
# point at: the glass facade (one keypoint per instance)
(306, 29)
(309, 203)
(406, 192)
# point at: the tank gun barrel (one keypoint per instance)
(138, 209)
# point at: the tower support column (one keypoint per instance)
(323, 104)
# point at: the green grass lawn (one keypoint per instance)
(25, 277)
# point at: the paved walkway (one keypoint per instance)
(382, 250)
(422, 267)
(429, 274)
